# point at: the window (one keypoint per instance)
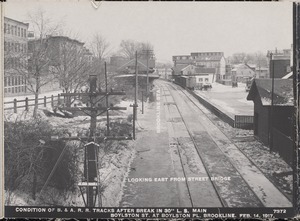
(16, 30)
(5, 90)
(5, 81)
(16, 80)
(16, 48)
(200, 79)
(13, 90)
(12, 81)
(19, 31)
(5, 28)
(9, 90)
(19, 80)
(8, 29)
(25, 33)
(12, 46)
(206, 79)
(5, 46)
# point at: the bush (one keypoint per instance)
(30, 155)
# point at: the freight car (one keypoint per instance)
(186, 82)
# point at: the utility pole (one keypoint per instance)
(272, 105)
(148, 52)
(135, 105)
(91, 183)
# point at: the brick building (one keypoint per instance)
(281, 62)
(59, 52)
(15, 56)
(214, 60)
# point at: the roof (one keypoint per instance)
(132, 63)
(65, 38)
(201, 70)
(209, 58)
(288, 76)
(261, 69)
(283, 91)
(6, 18)
(179, 67)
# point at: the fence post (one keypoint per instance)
(26, 104)
(52, 101)
(45, 101)
(58, 99)
(15, 105)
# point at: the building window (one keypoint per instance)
(9, 90)
(8, 29)
(200, 79)
(5, 46)
(13, 90)
(25, 33)
(19, 31)
(12, 81)
(5, 28)
(16, 48)
(16, 80)
(5, 81)
(206, 79)
(19, 80)
(5, 90)
(16, 31)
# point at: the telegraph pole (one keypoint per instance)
(135, 96)
(106, 90)
(272, 105)
(147, 88)
(148, 53)
(91, 171)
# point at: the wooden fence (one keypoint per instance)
(283, 145)
(26, 103)
(244, 122)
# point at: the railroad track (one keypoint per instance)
(177, 146)
(247, 194)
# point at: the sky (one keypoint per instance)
(173, 28)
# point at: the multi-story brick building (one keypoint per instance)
(281, 62)
(214, 60)
(15, 56)
(61, 55)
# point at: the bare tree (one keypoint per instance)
(72, 66)
(238, 58)
(33, 63)
(99, 47)
(128, 48)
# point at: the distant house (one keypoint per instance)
(204, 59)
(282, 119)
(205, 75)
(177, 70)
(262, 72)
(242, 72)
